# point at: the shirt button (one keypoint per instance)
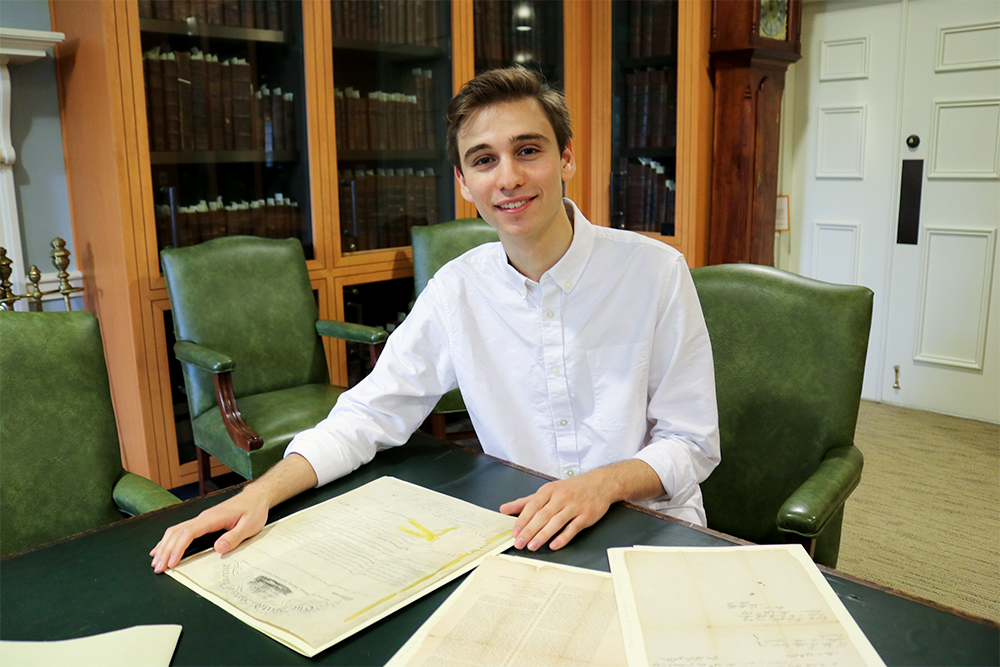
(550, 314)
(555, 370)
(563, 422)
(569, 285)
(570, 473)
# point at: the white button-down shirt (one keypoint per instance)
(606, 358)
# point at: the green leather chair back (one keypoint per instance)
(436, 245)
(789, 362)
(60, 456)
(249, 298)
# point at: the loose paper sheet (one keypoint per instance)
(749, 606)
(520, 612)
(138, 646)
(320, 575)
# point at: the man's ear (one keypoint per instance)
(568, 162)
(466, 193)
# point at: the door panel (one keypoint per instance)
(943, 312)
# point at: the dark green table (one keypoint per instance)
(101, 581)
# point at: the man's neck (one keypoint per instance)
(532, 257)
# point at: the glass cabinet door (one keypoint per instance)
(225, 102)
(392, 76)
(644, 116)
(526, 32)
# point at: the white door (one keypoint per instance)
(845, 126)
(944, 304)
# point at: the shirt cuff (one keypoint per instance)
(319, 448)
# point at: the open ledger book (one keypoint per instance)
(318, 576)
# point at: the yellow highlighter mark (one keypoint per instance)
(424, 532)
(441, 569)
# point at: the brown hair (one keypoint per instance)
(508, 84)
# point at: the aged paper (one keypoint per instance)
(138, 646)
(520, 612)
(320, 575)
(721, 606)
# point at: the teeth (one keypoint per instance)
(509, 206)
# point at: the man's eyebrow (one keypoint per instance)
(475, 149)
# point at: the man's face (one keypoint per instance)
(512, 169)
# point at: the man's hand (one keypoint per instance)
(242, 516)
(570, 505)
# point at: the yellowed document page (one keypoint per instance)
(320, 575)
(138, 646)
(749, 606)
(521, 612)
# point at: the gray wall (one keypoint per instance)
(36, 133)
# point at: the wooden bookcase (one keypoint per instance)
(110, 177)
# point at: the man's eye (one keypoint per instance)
(480, 161)
(529, 151)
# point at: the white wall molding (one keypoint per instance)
(960, 134)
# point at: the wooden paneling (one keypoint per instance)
(463, 69)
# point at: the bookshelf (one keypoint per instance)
(120, 181)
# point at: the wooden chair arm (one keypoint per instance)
(242, 435)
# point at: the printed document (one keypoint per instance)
(521, 612)
(320, 575)
(749, 606)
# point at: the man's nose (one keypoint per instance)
(509, 175)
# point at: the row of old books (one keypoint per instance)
(259, 14)
(274, 217)
(645, 197)
(514, 30)
(652, 28)
(194, 102)
(651, 108)
(386, 121)
(378, 207)
(395, 21)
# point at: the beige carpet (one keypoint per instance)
(926, 517)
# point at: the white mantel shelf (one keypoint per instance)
(22, 46)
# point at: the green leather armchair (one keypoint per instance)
(60, 460)
(433, 247)
(789, 362)
(247, 330)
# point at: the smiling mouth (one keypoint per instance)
(514, 206)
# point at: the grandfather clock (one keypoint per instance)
(753, 42)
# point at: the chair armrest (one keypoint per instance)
(810, 506)
(135, 494)
(202, 357)
(354, 333)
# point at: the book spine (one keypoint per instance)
(337, 9)
(635, 29)
(631, 109)
(199, 102)
(246, 13)
(243, 104)
(383, 209)
(340, 117)
(145, 9)
(216, 113)
(179, 10)
(363, 199)
(289, 103)
(199, 10)
(265, 107)
(163, 10)
(171, 102)
(657, 107)
(430, 196)
(647, 28)
(258, 218)
(642, 110)
(228, 133)
(214, 13)
(231, 14)
(273, 15)
(184, 96)
(158, 125)
(278, 118)
(634, 200)
(373, 110)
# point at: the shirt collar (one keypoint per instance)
(567, 271)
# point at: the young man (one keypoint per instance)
(581, 351)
